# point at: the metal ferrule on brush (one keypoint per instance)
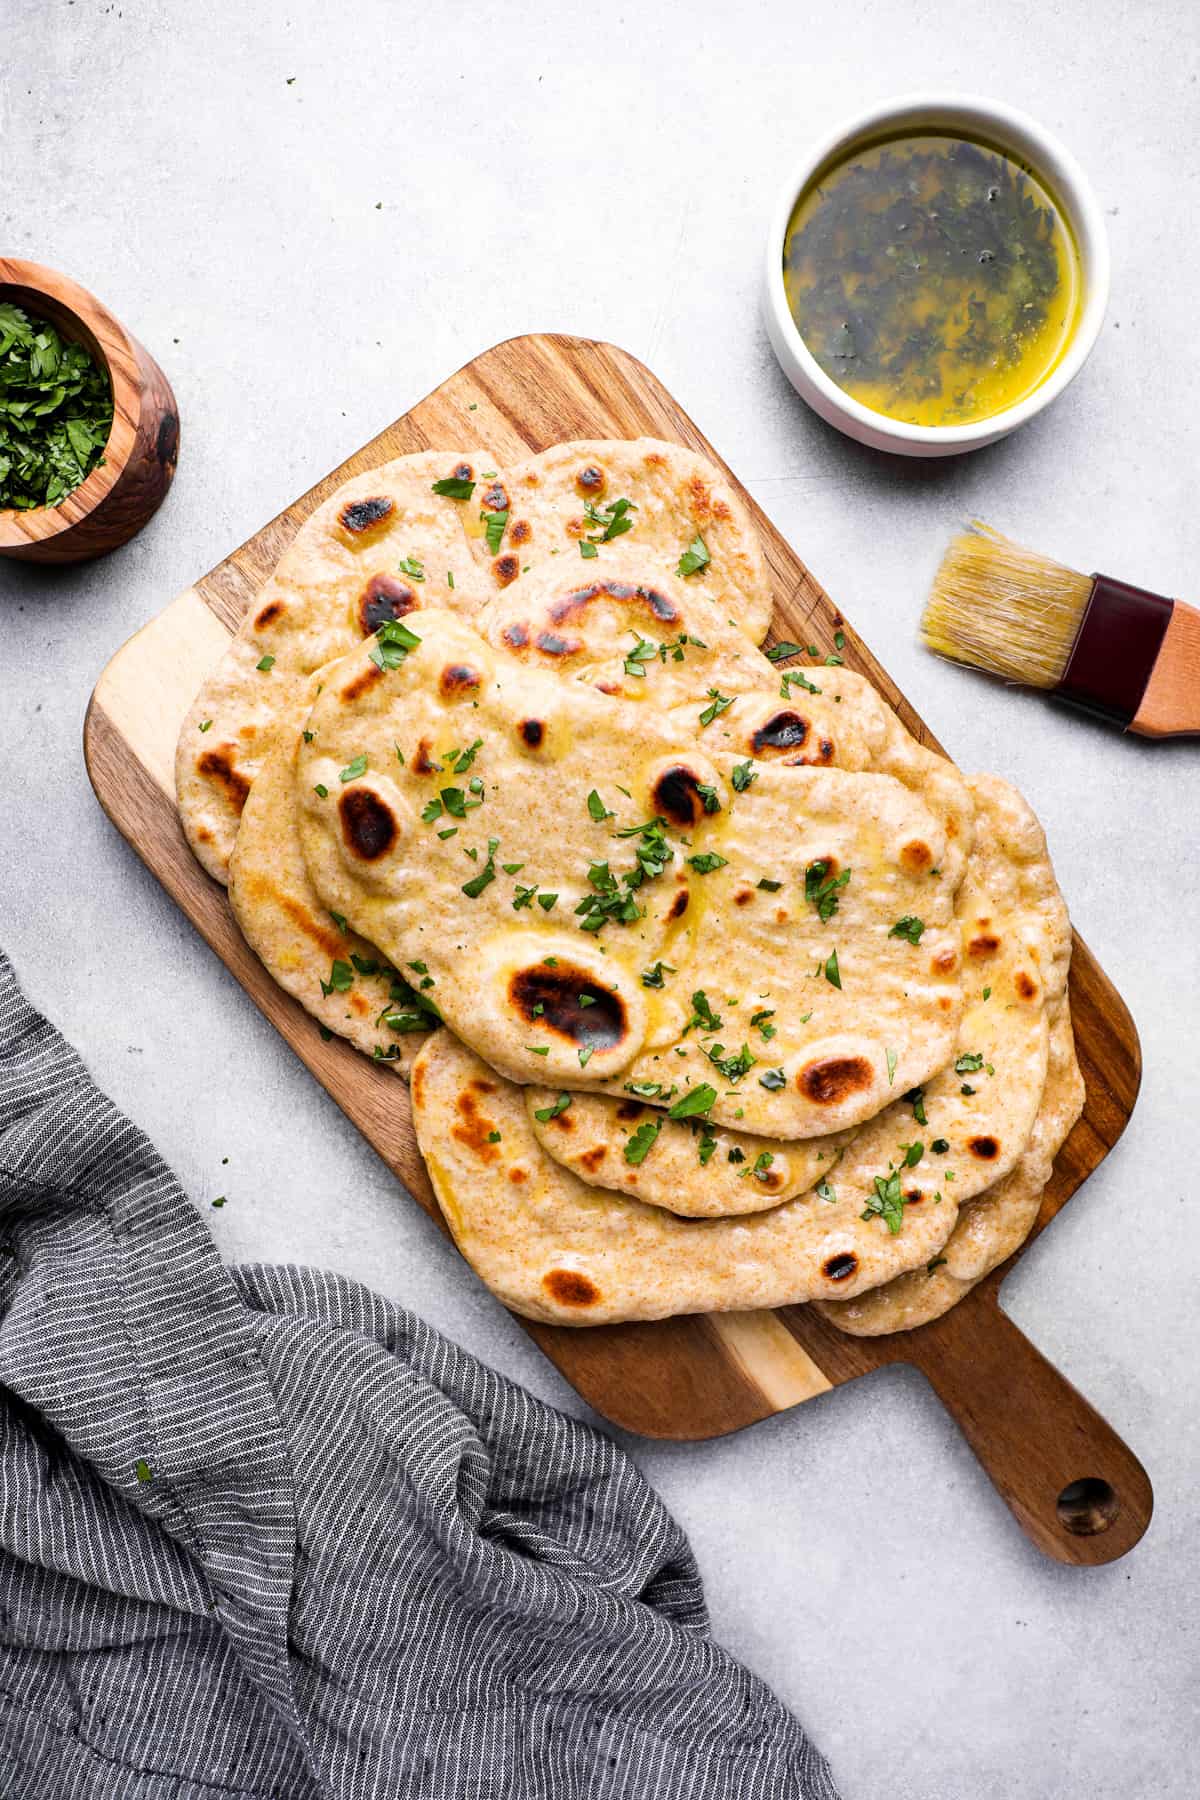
(1118, 643)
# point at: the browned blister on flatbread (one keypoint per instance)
(378, 548)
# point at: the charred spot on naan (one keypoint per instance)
(835, 1078)
(358, 517)
(273, 610)
(362, 683)
(986, 944)
(384, 597)
(495, 498)
(1025, 985)
(569, 1288)
(532, 733)
(520, 532)
(457, 680)
(785, 730)
(916, 856)
(660, 606)
(567, 1001)
(985, 1148)
(473, 1128)
(217, 765)
(590, 481)
(839, 1267)
(368, 825)
(676, 795)
(506, 568)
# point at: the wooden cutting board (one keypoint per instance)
(1073, 1485)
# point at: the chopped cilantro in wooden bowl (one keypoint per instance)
(89, 429)
(56, 411)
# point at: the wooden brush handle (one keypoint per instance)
(1075, 1489)
(1170, 706)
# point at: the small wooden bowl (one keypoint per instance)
(129, 485)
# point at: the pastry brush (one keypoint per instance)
(1120, 652)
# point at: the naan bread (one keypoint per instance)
(555, 1249)
(1015, 942)
(336, 583)
(626, 627)
(676, 497)
(337, 976)
(566, 781)
(697, 1170)
(972, 1120)
(990, 1227)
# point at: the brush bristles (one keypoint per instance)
(1005, 609)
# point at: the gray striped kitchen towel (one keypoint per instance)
(266, 1536)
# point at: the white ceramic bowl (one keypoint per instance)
(1005, 129)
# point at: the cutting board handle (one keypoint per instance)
(1073, 1486)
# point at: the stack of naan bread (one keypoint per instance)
(714, 987)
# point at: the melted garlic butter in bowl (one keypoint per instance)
(936, 275)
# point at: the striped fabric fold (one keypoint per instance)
(265, 1535)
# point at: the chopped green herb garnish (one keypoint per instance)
(770, 887)
(546, 1113)
(718, 703)
(822, 890)
(709, 795)
(695, 1102)
(393, 641)
(473, 888)
(833, 974)
(585, 1055)
(612, 518)
(354, 769)
(969, 1063)
(597, 808)
(826, 1191)
(587, 548)
(538, 1049)
(742, 775)
(653, 978)
(265, 664)
(940, 1146)
(891, 1066)
(493, 528)
(908, 927)
(702, 1012)
(141, 1467)
(409, 566)
(773, 1080)
(706, 862)
(694, 558)
(206, 725)
(912, 1154)
(761, 1019)
(547, 901)
(780, 652)
(916, 1099)
(645, 1090)
(321, 790)
(455, 487)
(887, 1202)
(639, 1145)
(643, 652)
(341, 978)
(796, 678)
(733, 1067)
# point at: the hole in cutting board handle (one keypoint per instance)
(1087, 1506)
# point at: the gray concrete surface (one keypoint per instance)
(610, 172)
